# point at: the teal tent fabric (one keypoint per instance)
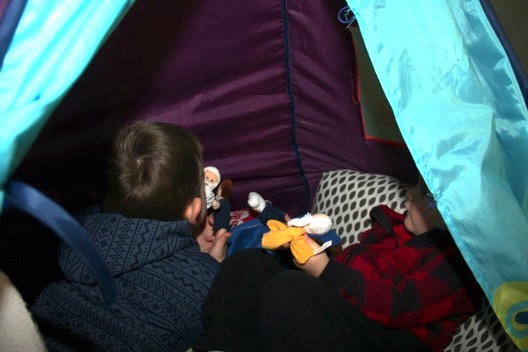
(53, 43)
(461, 113)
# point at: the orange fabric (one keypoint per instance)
(280, 234)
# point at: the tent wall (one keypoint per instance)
(270, 88)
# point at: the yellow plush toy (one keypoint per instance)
(296, 233)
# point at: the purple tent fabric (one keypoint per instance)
(269, 88)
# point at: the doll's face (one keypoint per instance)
(211, 178)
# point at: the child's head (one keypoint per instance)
(155, 171)
(422, 214)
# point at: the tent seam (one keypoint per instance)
(289, 90)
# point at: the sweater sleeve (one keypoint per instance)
(433, 291)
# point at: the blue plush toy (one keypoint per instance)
(249, 234)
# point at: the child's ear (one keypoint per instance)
(193, 210)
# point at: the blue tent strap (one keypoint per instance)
(27, 199)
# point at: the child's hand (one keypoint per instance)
(316, 263)
(204, 235)
(213, 243)
(219, 245)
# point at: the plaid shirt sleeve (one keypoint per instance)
(403, 281)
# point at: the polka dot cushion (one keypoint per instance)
(347, 197)
(482, 333)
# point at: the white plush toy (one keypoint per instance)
(313, 224)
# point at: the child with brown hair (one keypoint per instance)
(152, 199)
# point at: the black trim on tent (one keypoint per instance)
(291, 98)
(516, 63)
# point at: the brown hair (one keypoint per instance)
(154, 170)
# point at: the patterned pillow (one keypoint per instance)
(483, 332)
(347, 197)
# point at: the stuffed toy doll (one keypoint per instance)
(212, 180)
(221, 206)
(217, 193)
(316, 226)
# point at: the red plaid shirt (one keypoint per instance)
(417, 283)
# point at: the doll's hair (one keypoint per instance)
(154, 170)
(226, 187)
